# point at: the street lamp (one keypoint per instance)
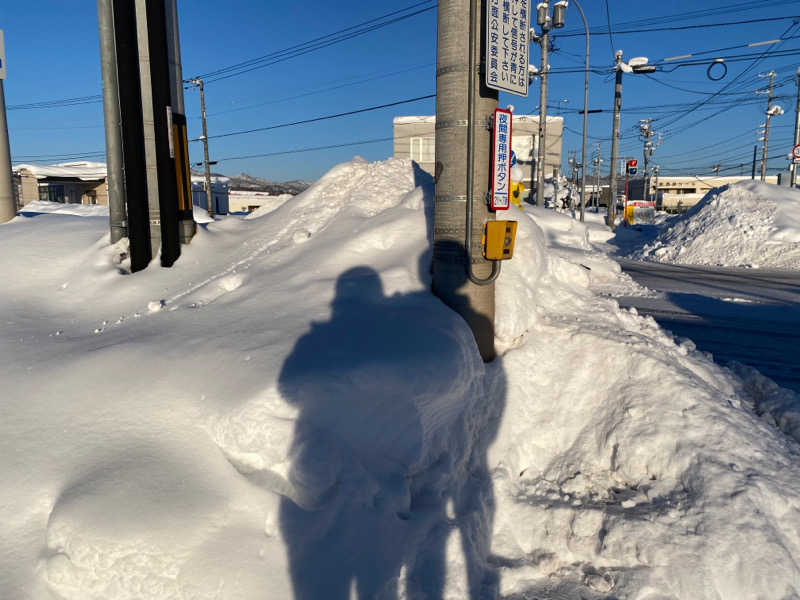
(637, 64)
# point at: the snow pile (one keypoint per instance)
(743, 224)
(288, 412)
(79, 210)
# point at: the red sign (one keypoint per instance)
(501, 159)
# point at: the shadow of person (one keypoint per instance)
(357, 436)
(388, 460)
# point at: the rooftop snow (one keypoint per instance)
(85, 171)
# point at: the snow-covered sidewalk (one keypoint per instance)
(288, 412)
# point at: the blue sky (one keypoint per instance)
(52, 53)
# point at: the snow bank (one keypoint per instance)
(288, 412)
(744, 224)
(78, 210)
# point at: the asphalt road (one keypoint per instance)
(751, 316)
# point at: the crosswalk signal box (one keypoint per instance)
(498, 241)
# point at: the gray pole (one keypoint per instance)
(765, 146)
(8, 208)
(117, 215)
(612, 202)
(542, 154)
(209, 193)
(148, 119)
(186, 225)
(585, 108)
(458, 82)
(645, 191)
(796, 131)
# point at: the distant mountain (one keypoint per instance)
(243, 181)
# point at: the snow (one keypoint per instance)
(288, 412)
(83, 170)
(746, 224)
(81, 210)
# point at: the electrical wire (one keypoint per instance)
(322, 118)
(330, 39)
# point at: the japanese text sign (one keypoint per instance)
(501, 159)
(507, 25)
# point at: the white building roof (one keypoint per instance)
(83, 170)
(432, 119)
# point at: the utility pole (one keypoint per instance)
(117, 214)
(646, 131)
(209, 192)
(596, 160)
(8, 207)
(612, 202)
(755, 151)
(655, 182)
(543, 20)
(793, 167)
(765, 145)
(462, 278)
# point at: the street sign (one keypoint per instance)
(506, 59)
(796, 152)
(501, 159)
(2, 56)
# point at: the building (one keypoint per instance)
(677, 194)
(250, 200)
(219, 193)
(415, 138)
(68, 183)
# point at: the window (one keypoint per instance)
(52, 192)
(423, 149)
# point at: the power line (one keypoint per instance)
(691, 15)
(330, 39)
(610, 32)
(322, 118)
(80, 100)
(308, 149)
(319, 91)
(681, 27)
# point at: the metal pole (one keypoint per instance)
(585, 107)
(186, 225)
(149, 125)
(612, 202)
(755, 151)
(764, 148)
(460, 192)
(8, 207)
(793, 168)
(117, 213)
(544, 40)
(209, 193)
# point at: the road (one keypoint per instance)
(747, 315)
